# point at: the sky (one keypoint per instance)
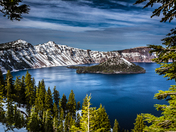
(102, 25)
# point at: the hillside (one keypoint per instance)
(18, 55)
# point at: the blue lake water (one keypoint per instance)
(123, 96)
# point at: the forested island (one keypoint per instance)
(113, 65)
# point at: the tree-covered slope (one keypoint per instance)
(115, 65)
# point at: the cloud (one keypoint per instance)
(89, 24)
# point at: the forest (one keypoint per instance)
(46, 111)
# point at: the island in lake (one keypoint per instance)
(114, 65)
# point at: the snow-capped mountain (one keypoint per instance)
(19, 54)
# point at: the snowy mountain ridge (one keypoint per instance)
(20, 54)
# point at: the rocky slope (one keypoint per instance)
(114, 65)
(19, 55)
(138, 54)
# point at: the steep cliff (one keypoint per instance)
(20, 54)
(138, 54)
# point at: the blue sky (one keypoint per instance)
(102, 25)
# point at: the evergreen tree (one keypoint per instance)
(101, 121)
(164, 53)
(17, 87)
(68, 122)
(48, 100)
(2, 78)
(9, 116)
(61, 117)
(64, 104)
(87, 118)
(116, 127)
(56, 118)
(34, 124)
(22, 93)
(2, 112)
(42, 90)
(56, 97)
(78, 106)
(48, 121)
(71, 105)
(17, 118)
(139, 125)
(9, 86)
(2, 83)
(166, 8)
(29, 91)
(78, 118)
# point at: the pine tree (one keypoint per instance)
(29, 91)
(101, 121)
(87, 118)
(9, 116)
(68, 122)
(64, 104)
(42, 90)
(116, 127)
(22, 93)
(71, 105)
(56, 118)
(17, 87)
(78, 118)
(2, 78)
(61, 117)
(56, 97)
(17, 118)
(34, 124)
(164, 53)
(2, 112)
(139, 125)
(2, 83)
(48, 100)
(78, 106)
(48, 121)
(9, 86)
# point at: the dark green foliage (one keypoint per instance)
(101, 121)
(69, 121)
(2, 112)
(139, 125)
(2, 78)
(165, 54)
(17, 87)
(9, 115)
(56, 96)
(78, 118)
(22, 93)
(64, 104)
(48, 100)
(78, 106)
(48, 123)
(9, 86)
(29, 91)
(167, 8)
(116, 127)
(71, 105)
(13, 9)
(34, 123)
(167, 121)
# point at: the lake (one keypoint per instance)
(123, 96)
